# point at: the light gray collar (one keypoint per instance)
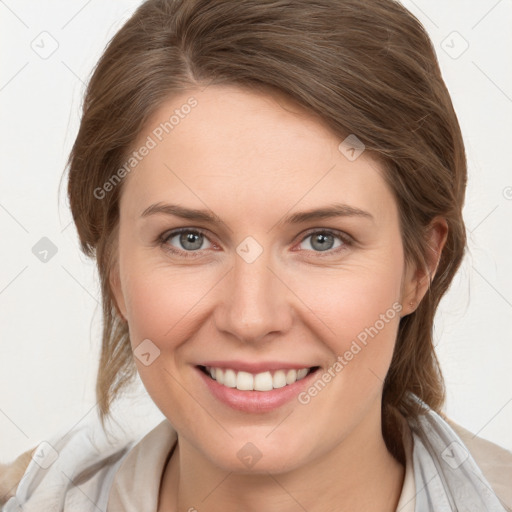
(447, 478)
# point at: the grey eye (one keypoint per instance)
(321, 241)
(189, 241)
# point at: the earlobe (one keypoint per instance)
(419, 280)
(437, 234)
(117, 293)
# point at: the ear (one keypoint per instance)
(418, 278)
(117, 291)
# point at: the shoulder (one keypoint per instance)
(494, 461)
(72, 470)
(10, 475)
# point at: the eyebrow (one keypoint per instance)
(181, 211)
(335, 210)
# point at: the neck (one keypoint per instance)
(338, 480)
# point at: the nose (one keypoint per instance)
(255, 303)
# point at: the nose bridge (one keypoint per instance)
(254, 302)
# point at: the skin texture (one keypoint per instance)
(252, 159)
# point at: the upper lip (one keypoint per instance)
(256, 367)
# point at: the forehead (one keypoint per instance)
(231, 145)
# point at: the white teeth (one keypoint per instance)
(264, 381)
(230, 378)
(302, 373)
(291, 376)
(279, 379)
(244, 381)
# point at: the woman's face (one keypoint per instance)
(270, 250)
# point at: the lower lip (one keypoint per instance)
(256, 401)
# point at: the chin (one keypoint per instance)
(258, 454)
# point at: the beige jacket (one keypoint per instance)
(494, 461)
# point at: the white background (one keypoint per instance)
(50, 312)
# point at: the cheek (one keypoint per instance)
(164, 306)
(357, 310)
(162, 301)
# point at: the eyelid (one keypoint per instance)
(177, 231)
(342, 235)
(162, 239)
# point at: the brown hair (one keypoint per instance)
(366, 67)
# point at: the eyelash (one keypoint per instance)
(163, 239)
(167, 235)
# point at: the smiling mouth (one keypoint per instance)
(264, 381)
